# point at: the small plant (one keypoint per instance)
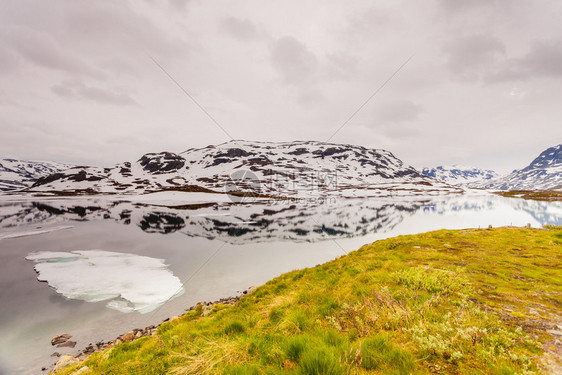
(351, 361)
(296, 348)
(378, 311)
(234, 328)
(433, 280)
(320, 363)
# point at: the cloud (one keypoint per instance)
(341, 65)
(398, 111)
(8, 58)
(41, 49)
(293, 60)
(242, 29)
(119, 29)
(310, 98)
(459, 7)
(179, 4)
(399, 132)
(78, 89)
(474, 56)
(543, 59)
(484, 58)
(277, 75)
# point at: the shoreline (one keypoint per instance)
(372, 299)
(135, 334)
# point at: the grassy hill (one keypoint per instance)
(475, 301)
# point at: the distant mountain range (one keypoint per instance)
(291, 169)
(460, 175)
(544, 173)
(19, 174)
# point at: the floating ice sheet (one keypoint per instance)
(33, 232)
(128, 282)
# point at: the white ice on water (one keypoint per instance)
(129, 282)
(33, 232)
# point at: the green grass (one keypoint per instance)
(466, 301)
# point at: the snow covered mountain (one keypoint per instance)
(460, 175)
(544, 173)
(19, 174)
(291, 169)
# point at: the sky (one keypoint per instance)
(477, 83)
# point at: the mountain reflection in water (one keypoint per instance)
(265, 222)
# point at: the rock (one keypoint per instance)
(206, 310)
(67, 344)
(82, 370)
(64, 361)
(128, 336)
(59, 339)
(138, 334)
(55, 354)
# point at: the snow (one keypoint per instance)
(128, 282)
(32, 232)
(460, 175)
(18, 174)
(279, 169)
(544, 173)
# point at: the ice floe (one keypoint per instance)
(32, 232)
(128, 282)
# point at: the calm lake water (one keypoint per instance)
(97, 268)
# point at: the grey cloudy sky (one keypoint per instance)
(77, 82)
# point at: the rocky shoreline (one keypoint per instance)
(63, 340)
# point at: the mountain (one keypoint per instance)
(544, 173)
(290, 169)
(19, 174)
(460, 175)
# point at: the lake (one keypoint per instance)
(99, 267)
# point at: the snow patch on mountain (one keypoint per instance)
(460, 175)
(20, 174)
(544, 173)
(272, 169)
